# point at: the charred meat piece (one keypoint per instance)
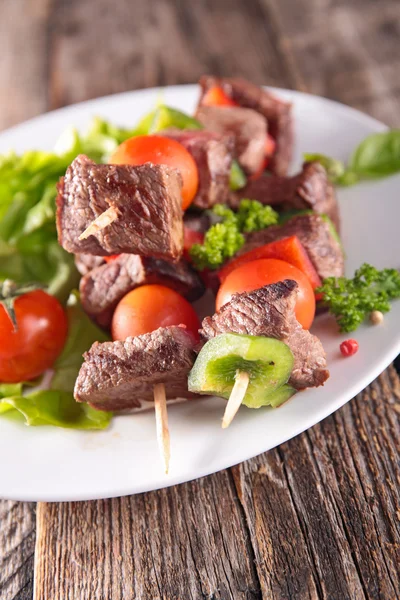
(86, 262)
(213, 154)
(309, 189)
(102, 288)
(269, 312)
(316, 236)
(248, 127)
(119, 375)
(277, 112)
(146, 201)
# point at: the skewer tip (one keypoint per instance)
(160, 405)
(236, 398)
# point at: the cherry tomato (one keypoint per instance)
(256, 274)
(160, 151)
(149, 307)
(38, 340)
(216, 96)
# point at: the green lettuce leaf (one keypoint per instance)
(57, 408)
(56, 405)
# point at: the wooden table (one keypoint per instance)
(317, 517)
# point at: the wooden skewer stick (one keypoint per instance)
(160, 404)
(236, 398)
(101, 222)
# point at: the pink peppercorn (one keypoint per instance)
(349, 347)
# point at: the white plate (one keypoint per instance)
(46, 463)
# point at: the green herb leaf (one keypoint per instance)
(224, 239)
(377, 156)
(221, 242)
(352, 300)
(253, 216)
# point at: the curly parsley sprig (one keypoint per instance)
(225, 238)
(352, 300)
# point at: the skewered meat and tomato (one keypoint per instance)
(145, 201)
(248, 127)
(277, 112)
(103, 287)
(270, 312)
(213, 154)
(161, 150)
(258, 273)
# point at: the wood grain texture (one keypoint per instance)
(316, 518)
(346, 51)
(329, 503)
(186, 542)
(17, 543)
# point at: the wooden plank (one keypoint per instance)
(323, 509)
(23, 62)
(157, 43)
(343, 50)
(17, 544)
(188, 541)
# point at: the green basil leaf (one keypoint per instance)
(377, 156)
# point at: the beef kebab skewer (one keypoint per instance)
(112, 209)
(260, 348)
(119, 375)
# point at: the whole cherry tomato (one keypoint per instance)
(33, 346)
(149, 307)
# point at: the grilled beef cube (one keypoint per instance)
(118, 375)
(248, 127)
(269, 312)
(102, 288)
(277, 112)
(309, 189)
(316, 236)
(146, 199)
(86, 262)
(213, 154)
